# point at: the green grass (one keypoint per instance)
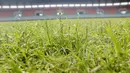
(69, 46)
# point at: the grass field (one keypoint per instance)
(66, 46)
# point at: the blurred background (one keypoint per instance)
(51, 9)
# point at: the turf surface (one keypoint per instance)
(66, 46)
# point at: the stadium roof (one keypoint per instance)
(12, 2)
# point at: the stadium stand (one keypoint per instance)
(32, 10)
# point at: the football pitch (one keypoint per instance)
(65, 46)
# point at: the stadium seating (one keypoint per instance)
(29, 12)
(69, 12)
(7, 13)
